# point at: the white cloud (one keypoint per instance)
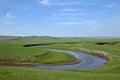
(90, 22)
(26, 6)
(8, 15)
(113, 5)
(68, 23)
(69, 10)
(58, 3)
(79, 23)
(70, 15)
(62, 3)
(44, 2)
(8, 22)
(54, 15)
(93, 28)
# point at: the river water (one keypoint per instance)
(87, 61)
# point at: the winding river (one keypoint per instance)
(87, 61)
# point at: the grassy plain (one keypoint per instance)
(14, 47)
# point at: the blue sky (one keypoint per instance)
(75, 18)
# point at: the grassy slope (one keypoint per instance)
(15, 48)
(8, 73)
(112, 66)
(110, 71)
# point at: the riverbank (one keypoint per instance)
(101, 54)
(48, 58)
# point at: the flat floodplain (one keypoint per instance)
(14, 47)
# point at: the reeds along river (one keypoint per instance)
(87, 61)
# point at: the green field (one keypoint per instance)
(13, 46)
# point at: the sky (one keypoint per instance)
(60, 18)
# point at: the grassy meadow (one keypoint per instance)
(13, 46)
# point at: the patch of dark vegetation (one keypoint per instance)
(103, 43)
(71, 43)
(30, 45)
(107, 43)
(42, 44)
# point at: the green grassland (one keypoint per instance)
(13, 46)
(37, 55)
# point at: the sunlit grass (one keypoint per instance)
(110, 71)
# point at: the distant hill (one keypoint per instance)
(16, 38)
(7, 37)
(37, 38)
